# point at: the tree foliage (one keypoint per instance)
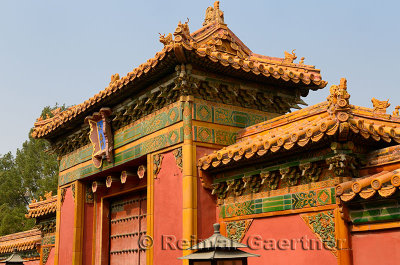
(27, 175)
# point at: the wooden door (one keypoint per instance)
(127, 226)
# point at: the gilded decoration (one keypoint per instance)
(237, 230)
(178, 157)
(63, 192)
(73, 190)
(101, 137)
(157, 162)
(323, 226)
(89, 196)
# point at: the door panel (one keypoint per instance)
(127, 225)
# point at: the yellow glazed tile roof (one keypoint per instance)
(22, 241)
(334, 117)
(42, 207)
(214, 46)
(384, 184)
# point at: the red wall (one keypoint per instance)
(66, 229)
(88, 233)
(206, 204)
(292, 228)
(377, 247)
(167, 209)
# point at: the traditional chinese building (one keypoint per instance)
(320, 184)
(26, 243)
(36, 246)
(203, 132)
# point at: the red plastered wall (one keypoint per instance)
(206, 203)
(66, 229)
(88, 233)
(292, 228)
(376, 247)
(167, 210)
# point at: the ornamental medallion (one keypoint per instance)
(100, 136)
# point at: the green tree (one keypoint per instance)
(32, 172)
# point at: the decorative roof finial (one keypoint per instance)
(338, 100)
(114, 78)
(380, 106)
(182, 32)
(214, 14)
(166, 40)
(396, 112)
(48, 195)
(289, 58)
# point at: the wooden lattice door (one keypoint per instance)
(127, 226)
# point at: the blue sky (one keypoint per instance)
(66, 51)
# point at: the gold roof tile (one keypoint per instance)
(384, 183)
(26, 240)
(43, 207)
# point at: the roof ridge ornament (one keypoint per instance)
(396, 111)
(380, 107)
(182, 31)
(114, 78)
(290, 57)
(48, 195)
(214, 14)
(338, 101)
(166, 40)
